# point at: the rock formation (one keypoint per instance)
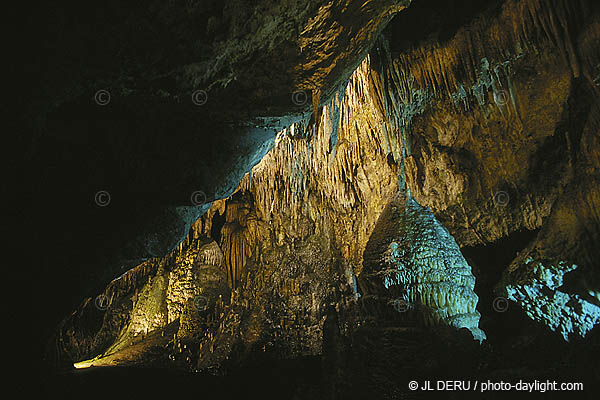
(340, 226)
(418, 267)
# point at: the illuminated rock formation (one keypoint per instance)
(413, 264)
(566, 313)
(488, 127)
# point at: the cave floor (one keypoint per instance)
(147, 350)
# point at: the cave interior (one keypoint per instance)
(313, 199)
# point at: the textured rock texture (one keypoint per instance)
(505, 144)
(412, 261)
(487, 126)
(155, 102)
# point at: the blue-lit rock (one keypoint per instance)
(422, 265)
(542, 301)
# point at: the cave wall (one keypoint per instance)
(523, 119)
(492, 131)
(130, 117)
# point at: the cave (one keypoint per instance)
(311, 199)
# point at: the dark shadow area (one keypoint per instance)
(434, 20)
(488, 262)
(218, 221)
(104, 185)
(280, 379)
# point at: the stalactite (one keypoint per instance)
(521, 25)
(238, 239)
(132, 279)
(333, 178)
(210, 254)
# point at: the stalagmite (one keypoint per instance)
(330, 182)
(411, 256)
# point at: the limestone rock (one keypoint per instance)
(413, 263)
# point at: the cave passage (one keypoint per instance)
(320, 199)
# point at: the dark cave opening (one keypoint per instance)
(489, 263)
(434, 20)
(218, 221)
(515, 341)
(292, 328)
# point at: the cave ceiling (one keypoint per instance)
(230, 180)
